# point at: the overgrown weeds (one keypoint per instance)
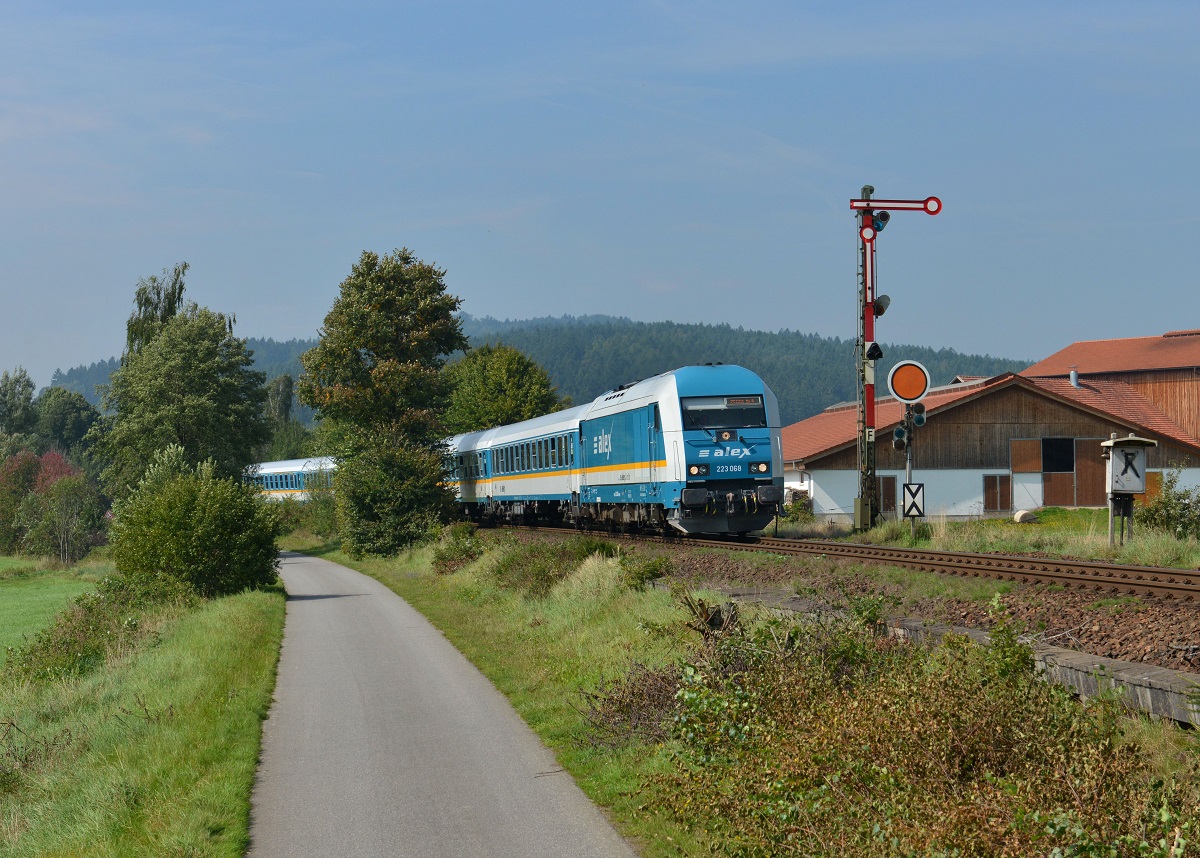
(459, 546)
(533, 568)
(22, 750)
(96, 627)
(827, 737)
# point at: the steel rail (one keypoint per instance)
(1161, 582)
(1157, 581)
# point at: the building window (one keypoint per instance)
(1058, 455)
(997, 493)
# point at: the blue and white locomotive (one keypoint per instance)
(696, 449)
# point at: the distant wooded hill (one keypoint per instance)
(586, 356)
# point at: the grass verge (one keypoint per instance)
(153, 755)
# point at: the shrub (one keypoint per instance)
(320, 511)
(389, 497)
(638, 570)
(1173, 510)
(458, 547)
(827, 740)
(216, 535)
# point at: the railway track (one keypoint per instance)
(1154, 581)
(1160, 582)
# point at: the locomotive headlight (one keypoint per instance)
(761, 467)
(725, 435)
(698, 470)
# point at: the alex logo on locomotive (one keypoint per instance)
(602, 443)
(732, 452)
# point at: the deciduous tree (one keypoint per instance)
(385, 340)
(157, 300)
(192, 385)
(63, 520)
(18, 474)
(63, 418)
(497, 385)
(17, 414)
(377, 375)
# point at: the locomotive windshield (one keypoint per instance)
(723, 412)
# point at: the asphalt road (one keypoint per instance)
(384, 741)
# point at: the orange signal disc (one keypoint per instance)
(909, 381)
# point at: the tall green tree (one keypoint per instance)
(279, 399)
(378, 363)
(157, 300)
(377, 375)
(497, 385)
(63, 418)
(192, 385)
(17, 415)
(289, 438)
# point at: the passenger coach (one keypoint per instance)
(291, 478)
(697, 449)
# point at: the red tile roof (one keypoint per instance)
(1173, 350)
(837, 427)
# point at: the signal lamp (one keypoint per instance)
(880, 219)
(918, 414)
(874, 352)
(900, 438)
(880, 304)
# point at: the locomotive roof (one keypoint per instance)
(706, 380)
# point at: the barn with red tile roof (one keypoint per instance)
(994, 445)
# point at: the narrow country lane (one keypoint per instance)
(384, 741)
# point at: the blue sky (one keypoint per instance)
(663, 161)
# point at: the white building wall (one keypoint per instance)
(948, 493)
(1027, 491)
(1189, 478)
(833, 493)
(794, 480)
